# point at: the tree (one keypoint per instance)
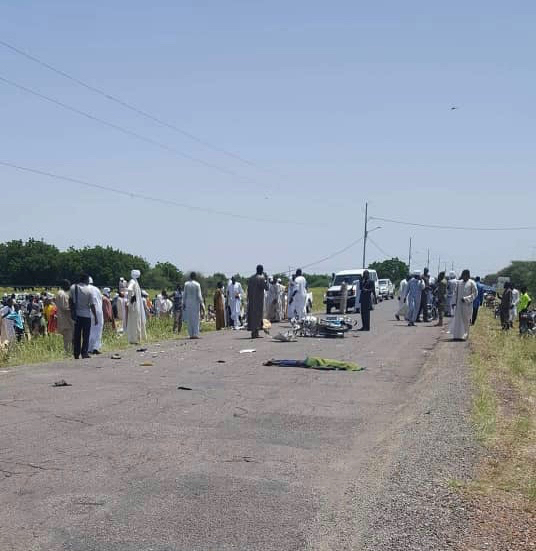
(394, 269)
(521, 273)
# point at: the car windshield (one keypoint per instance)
(383, 282)
(349, 278)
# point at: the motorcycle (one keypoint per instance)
(331, 326)
(527, 323)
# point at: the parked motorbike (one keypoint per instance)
(527, 323)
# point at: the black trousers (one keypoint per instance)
(82, 327)
(365, 318)
(475, 314)
(423, 309)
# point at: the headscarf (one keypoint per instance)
(135, 274)
(90, 280)
(106, 291)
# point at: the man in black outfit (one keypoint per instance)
(368, 289)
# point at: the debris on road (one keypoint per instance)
(247, 351)
(146, 364)
(115, 357)
(287, 336)
(243, 412)
(141, 350)
(220, 361)
(184, 388)
(316, 363)
(62, 382)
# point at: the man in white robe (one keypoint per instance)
(281, 303)
(192, 303)
(274, 301)
(402, 304)
(235, 296)
(299, 297)
(515, 302)
(135, 312)
(466, 293)
(413, 297)
(291, 314)
(95, 335)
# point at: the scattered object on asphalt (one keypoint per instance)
(245, 458)
(316, 363)
(184, 388)
(243, 411)
(146, 364)
(141, 350)
(98, 367)
(266, 326)
(4, 370)
(115, 357)
(330, 326)
(62, 382)
(247, 351)
(220, 361)
(287, 336)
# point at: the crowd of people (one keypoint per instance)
(81, 311)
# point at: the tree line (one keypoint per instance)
(35, 263)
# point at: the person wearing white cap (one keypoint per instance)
(466, 293)
(135, 313)
(192, 302)
(413, 297)
(95, 335)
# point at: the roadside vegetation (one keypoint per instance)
(50, 347)
(504, 369)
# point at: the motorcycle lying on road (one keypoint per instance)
(331, 326)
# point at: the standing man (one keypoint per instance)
(515, 302)
(414, 293)
(466, 292)
(441, 297)
(291, 312)
(478, 300)
(95, 336)
(424, 296)
(192, 303)
(236, 292)
(177, 309)
(451, 290)
(344, 298)
(524, 300)
(82, 302)
(65, 321)
(300, 295)
(506, 306)
(274, 301)
(257, 285)
(219, 306)
(402, 294)
(135, 313)
(368, 290)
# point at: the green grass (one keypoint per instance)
(504, 406)
(50, 347)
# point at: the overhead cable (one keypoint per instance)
(445, 227)
(135, 195)
(131, 107)
(118, 127)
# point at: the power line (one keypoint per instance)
(131, 107)
(150, 198)
(117, 127)
(442, 227)
(385, 253)
(329, 257)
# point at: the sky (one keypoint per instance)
(290, 116)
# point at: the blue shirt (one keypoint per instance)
(480, 297)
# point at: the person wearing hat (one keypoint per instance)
(413, 297)
(135, 313)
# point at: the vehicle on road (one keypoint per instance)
(332, 298)
(386, 288)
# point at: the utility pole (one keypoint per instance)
(452, 266)
(365, 235)
(428, 261)
(439, 265)
(409, 259)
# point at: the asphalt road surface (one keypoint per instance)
(251, 458)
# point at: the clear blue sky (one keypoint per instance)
(341, 103)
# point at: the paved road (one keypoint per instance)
(252, 458)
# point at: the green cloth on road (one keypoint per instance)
(326, 363)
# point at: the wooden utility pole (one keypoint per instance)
(409, 259)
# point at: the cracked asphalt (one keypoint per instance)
(251, 458)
